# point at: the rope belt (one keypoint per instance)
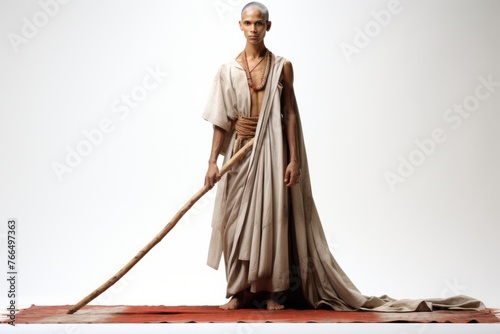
(245, 129)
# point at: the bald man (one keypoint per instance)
(262, 83)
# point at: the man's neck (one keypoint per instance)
(254, 51)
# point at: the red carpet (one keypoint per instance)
(212, 314)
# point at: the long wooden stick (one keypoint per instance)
(237, 157)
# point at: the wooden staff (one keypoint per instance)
(237, 157)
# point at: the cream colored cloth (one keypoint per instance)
(259, 226)
(250, 217)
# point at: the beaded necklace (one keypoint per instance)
(264, 75)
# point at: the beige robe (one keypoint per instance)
(271, 236)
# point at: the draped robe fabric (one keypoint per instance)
(268, 232)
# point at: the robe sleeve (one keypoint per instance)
(220, 110)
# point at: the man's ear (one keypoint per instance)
(268, 25)
(241, 25)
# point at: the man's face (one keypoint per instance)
(254, 26)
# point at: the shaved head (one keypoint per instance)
(256, 5)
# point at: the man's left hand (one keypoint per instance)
(292, 174)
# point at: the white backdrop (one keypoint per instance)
(102, 141)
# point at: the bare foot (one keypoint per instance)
(233, 304)
(274, 305)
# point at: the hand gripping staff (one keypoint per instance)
(234, 159)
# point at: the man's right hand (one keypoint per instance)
(212, 176)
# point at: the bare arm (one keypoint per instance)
(213, 176)
(292, 172)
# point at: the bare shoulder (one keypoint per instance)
(287, 73)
